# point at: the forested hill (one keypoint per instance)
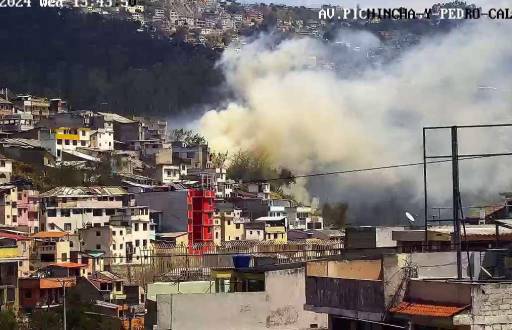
(89, 60)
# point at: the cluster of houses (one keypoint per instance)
(87, 236)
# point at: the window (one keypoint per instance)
(65, 212)
(121, 246)
(88, 210)
(237, 226)
(52, 226)
(250, 232)
(237, 238)
(217, 234)
(113, 233)
(82, 143)
(110, 211)
(67, 227)
(66, 142)
(59, 141)
(74, 142)
(83, 133)
(136, 227)
(98, 233)
(121, 232)
(229, 223)
(77, 211)
(28, 294)
(58, 153)
(144, 226)
(64, 257)
(97, 212)
(144, 242)
(14, 218)
(113, 246)
(98, 246)
(51, 213)
(275, 236)
(137, 242)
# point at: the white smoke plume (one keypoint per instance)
(311, 120)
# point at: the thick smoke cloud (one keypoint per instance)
(308, 119)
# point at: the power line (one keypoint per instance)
(376, 168)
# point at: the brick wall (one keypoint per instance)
(491, 308)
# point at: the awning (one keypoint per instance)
(415, 309)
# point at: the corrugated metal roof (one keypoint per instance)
(409, 308)
(85, 191)
(22, 143)
(115, 117)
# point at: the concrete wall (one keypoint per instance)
(279, 307)
(168, 288)
(491, 308)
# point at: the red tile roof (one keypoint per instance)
(427, 310)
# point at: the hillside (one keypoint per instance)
(89, 60)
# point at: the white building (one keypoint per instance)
(102, 139)
(72, 208)
(126, 241)
(262, 189)
(301, 217)
(166, 173)
(62, 139)
(5, 169)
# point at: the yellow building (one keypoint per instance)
(275, 228)
(228, 225)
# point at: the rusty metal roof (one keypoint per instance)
(417, 309)
(84, 191)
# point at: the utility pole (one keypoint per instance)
(64, 303)
(456, 199)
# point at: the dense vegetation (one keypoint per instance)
(101, 63)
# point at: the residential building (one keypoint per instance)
(5, 169)
(53, 247)
(228, 223)
(8, 206)
(12, 259)
(200, 216)
(58, 106)
(301, 217)
(255, 231)
(197, 156)
(102, 139)
(6, 107)
(28, 151)
(166, 173)
(275, 228)
(125, 239)
(71, 208)
(39, 293)
(28, 209)
(17, 122)
(252, 298)
(38, 107)
(261, 189)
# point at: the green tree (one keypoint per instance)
(250, 166)
(8, 320)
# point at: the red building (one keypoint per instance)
(200, 216)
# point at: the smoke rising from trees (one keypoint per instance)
(309, 119)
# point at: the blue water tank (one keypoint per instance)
(241, 261)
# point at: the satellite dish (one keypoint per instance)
(409, 216)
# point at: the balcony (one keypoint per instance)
(346, 288)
